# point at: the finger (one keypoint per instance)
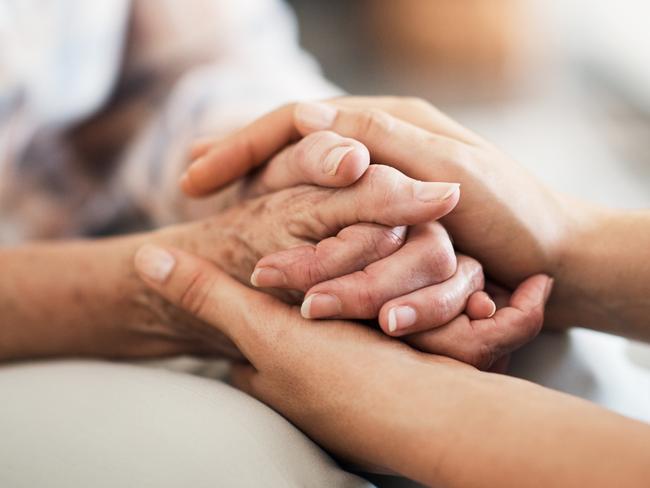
(500, 295)
(233, 156)
(385, 196)
(195, 285)
(415, 111)
(480, 306)
(322, 158)
(236, 154)
(201, 146)
(426, 258)
(433, 306)
(390, 140)
(352, 249)
(481, 342)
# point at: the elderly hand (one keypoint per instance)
(365, 222)
(355, 232)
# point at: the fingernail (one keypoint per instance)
(428, 191)
(154, 262)
(549, 289)
(320, 305)
(334, 159)
(494, 309)
(313, 115)
(401, 318)
(268, 277)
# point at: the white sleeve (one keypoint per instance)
(261, 66)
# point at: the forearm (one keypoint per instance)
(483, 429)
(82, 298)
(603, 276)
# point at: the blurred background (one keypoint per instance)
(561, 85)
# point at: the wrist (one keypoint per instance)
(156, 326)
(428, 439)
(577, 253)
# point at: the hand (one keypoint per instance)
(360, 223)
(380, 275)
(322, 158)
(479, 342)
(310, 372)
(373, 212)
(506, 219)
(418, 287)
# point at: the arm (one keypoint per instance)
(81, 298)
(377, 402)
(507, 219)
(603, 274)
(65, 298)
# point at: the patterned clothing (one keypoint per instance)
(100, 100)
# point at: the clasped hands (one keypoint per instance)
(354, 240)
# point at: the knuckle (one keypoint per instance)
(372, 123)
(458, 154)
(309, 151)
(388, 241)
(380, 173)
(314, 271)
(300, 152)
(453, 153)
(368, 301)
(383, 182)
(473, 270)
(375, 242)
(361, 288)
(301, 265)
(442, 262)
(300, 212)
(303, 150)
(194, 298)
(440, 309)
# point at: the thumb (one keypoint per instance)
(232, 157)
(198, 287)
